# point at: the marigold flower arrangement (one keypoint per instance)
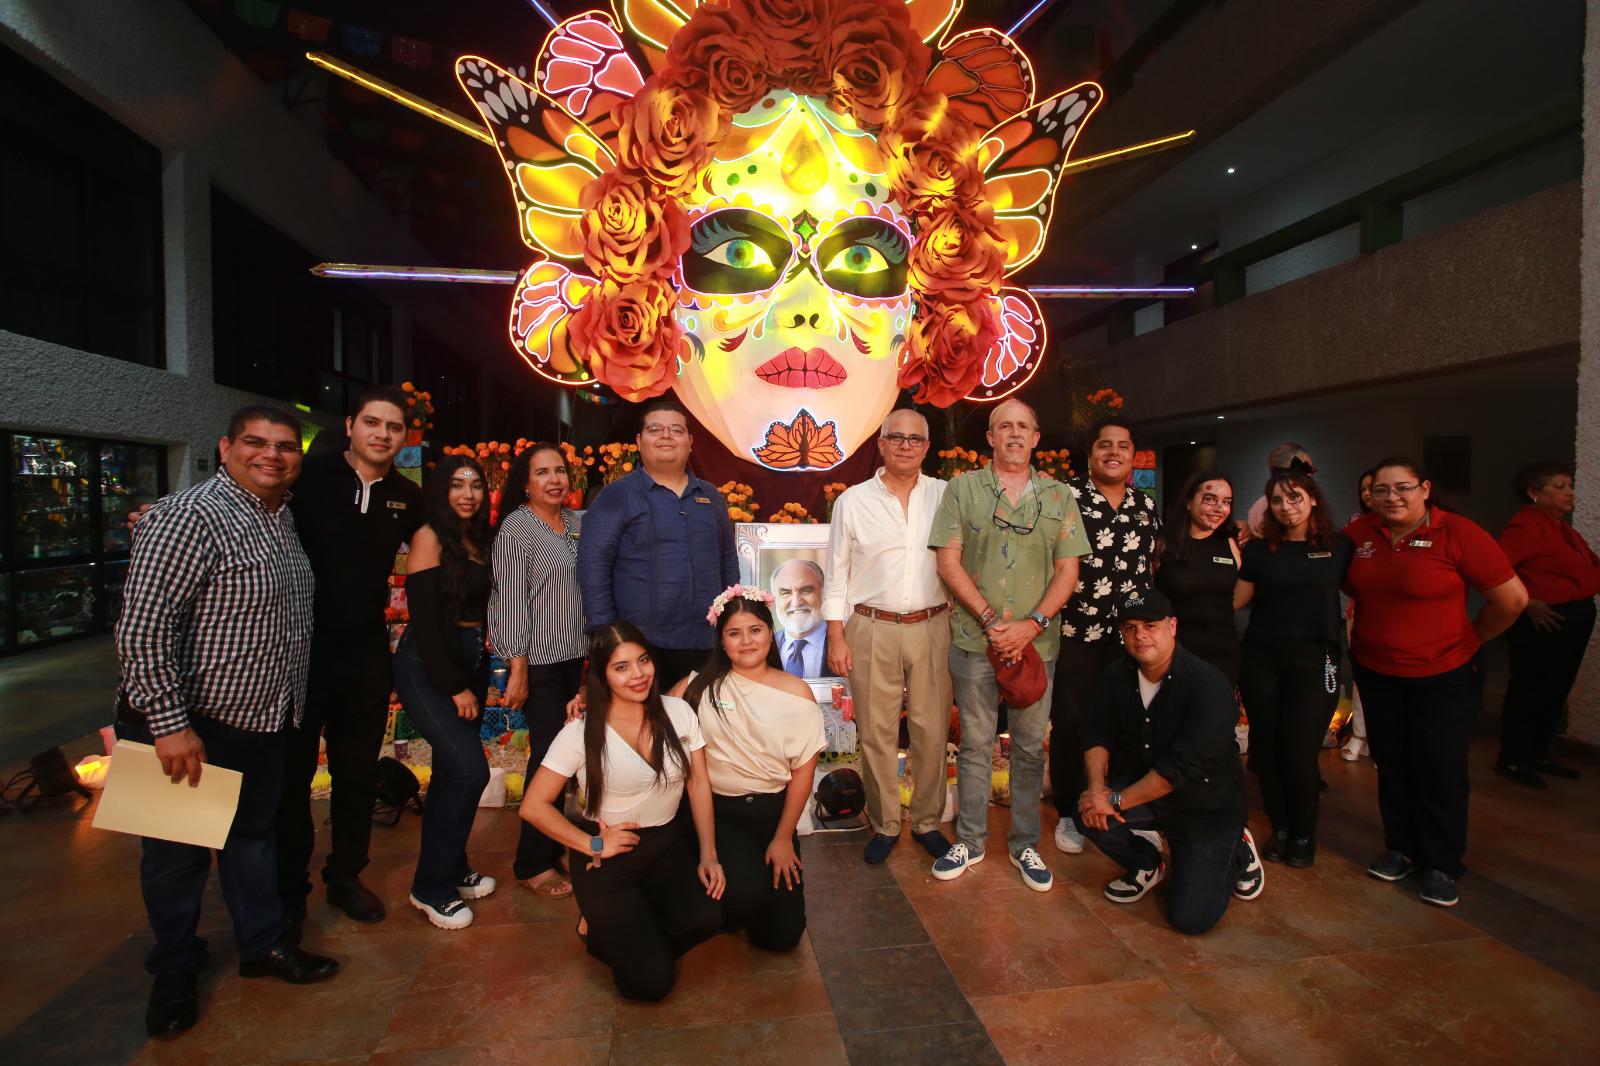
(615, 459)
(740, 501)
(1054, 464)
(419, 408)
(953, 461)
(746, 592)
(793, 514)
(868, 61)
(830, 495)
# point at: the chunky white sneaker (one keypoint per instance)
(475, 886)
(1253, 878)
(452, 915)
(1035, 874)
(1131, 888)
(1068, 839)
(1353, 749)
(954, 862)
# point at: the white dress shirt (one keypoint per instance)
(878, 553)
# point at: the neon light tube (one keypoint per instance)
(1132, 151)
(1110, 292)
(375, 272)
(401, 97)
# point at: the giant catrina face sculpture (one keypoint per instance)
(803, 209)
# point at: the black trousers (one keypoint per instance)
(1543, 669)
(1418, 729)
(347, 699)
(675, 664)
(173, 876)
(645, 908)
(1205, 864)
(773, 918)
(1284, 685)
(460, 771)
(1078, 669)
(550, 687)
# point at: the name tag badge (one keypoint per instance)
(1422, 544)
(701, 499)
(397, 505)
(1225, 560)
(1319, 555)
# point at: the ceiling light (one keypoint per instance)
(1221, 417)
(1230, 170)
(1194, 247)
(1193, 442)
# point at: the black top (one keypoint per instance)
(1296, 588)
(1200, 586)
(1185, 735)
(435, 630)
(351, 533)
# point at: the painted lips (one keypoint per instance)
(797, 369)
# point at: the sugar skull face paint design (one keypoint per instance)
(794, 298)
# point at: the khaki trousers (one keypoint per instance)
(891, 660)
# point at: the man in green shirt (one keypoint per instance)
(1007, 541)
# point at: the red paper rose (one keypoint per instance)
(628, 337)
(666, 134)
(719, 55)
(958, 255)
(790, 32)
(948, 344)
(932, 154)
(874, 59)
(627, 234)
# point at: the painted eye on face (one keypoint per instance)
(735, 251)
(741, 255)
(865, 257)
(857, 259)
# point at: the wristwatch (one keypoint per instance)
(597, 845)
(1116, 802)
(1039, 620)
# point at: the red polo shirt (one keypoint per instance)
(1411, 598)
(1550, 557)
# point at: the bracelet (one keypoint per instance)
(988, 620)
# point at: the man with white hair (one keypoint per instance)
(797, 590)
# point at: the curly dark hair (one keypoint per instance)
(1319, 530)
(458, 540)
(718, 665)
(664, 742)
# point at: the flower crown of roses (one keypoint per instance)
(743, 592)
(866, 59)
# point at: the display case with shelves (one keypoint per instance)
(51, 516)
(54, 602)
(130, 475)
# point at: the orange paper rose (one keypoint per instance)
(932, 153)
(666, 134)
(790, 32)
(874, 59)
(629, 235)
(627, 335)
(719, 55)
(947, 348)
(959, 256)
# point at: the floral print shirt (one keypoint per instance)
(1121, 549)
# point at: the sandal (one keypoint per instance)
(548, 885)
(583, 934)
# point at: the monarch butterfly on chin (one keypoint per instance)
(800, 445)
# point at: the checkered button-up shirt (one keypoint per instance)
(216, 616)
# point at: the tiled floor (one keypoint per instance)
(1327, 966)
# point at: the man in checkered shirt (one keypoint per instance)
(214, 639)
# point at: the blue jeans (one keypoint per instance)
(460, 771)
(1204, 870)
(173, 876)
(978, 705)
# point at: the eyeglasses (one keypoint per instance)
(1016, 527)
(282, 447)
(662, 429)
(1383, 492)
(901, 440)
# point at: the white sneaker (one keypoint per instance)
(1068, 839)
(1353, 749)
(475, 886)
(452, 915)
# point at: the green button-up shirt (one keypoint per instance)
(1009, 552)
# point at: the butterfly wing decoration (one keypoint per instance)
(800, 445)
(584, 66)
(548, 295)
(985, 77)
(930, 18)
(651, 24)
(1011, 363)
(1022, 159)
(549, 156)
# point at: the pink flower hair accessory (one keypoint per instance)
(746, 592)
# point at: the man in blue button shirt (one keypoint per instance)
(657, 548)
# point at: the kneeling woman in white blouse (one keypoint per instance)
(763, 734)
(634, 868)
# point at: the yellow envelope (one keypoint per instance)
(140, 799)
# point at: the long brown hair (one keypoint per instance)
(664, 740)
(1319, 530)
(718, 666)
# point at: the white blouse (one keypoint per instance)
(634, 793)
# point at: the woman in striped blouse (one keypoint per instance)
(536, 624)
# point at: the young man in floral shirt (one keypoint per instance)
(1120, 522)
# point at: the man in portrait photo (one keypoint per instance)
(802, 635)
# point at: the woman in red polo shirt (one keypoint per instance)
(1414, 649)
(1547, 643)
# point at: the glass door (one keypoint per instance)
(51, 515)
(130, 475)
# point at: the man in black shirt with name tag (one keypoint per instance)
(1160, 758)
(353, 511)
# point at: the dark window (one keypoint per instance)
(80, 222)
(452, 379)
(279, 330)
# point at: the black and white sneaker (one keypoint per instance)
(453, 914)
(1391, 866)
(475, 886)
(1131, 888)
(1253, 878)
(1438, 888)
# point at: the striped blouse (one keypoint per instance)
(536, 610)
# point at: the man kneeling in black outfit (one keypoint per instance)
(1159, 729)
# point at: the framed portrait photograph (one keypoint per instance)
(791, 562)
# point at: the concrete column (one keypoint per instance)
(1584, 706)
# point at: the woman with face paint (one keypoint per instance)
(1289, 674)
(442, 676)
(1197, 566)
